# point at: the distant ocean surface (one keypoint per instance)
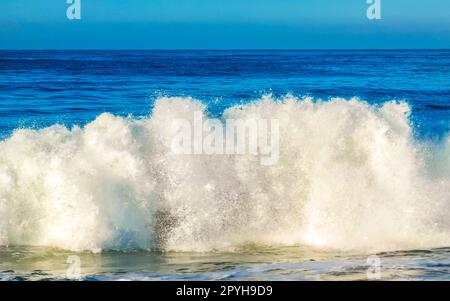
(364, 165)
(41, 88)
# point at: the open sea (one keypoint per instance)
(361, 189)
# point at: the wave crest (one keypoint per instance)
(350, 177)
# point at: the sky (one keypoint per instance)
(224, 24)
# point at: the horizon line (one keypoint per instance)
(219, 49)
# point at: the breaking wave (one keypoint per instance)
(350, 176)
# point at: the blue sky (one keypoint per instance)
(224, 24)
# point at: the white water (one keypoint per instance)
(349, 177)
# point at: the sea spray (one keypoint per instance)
(350, 176)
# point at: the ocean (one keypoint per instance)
(360, 191)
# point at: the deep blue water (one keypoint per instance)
(41, 88)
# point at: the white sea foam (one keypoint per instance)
(350, 177)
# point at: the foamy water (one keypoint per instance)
(350, 177)
(252, 262)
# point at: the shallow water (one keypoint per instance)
(251, 263)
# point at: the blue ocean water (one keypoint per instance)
(41, 88)
(109, 195)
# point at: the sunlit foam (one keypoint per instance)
(350, 176)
